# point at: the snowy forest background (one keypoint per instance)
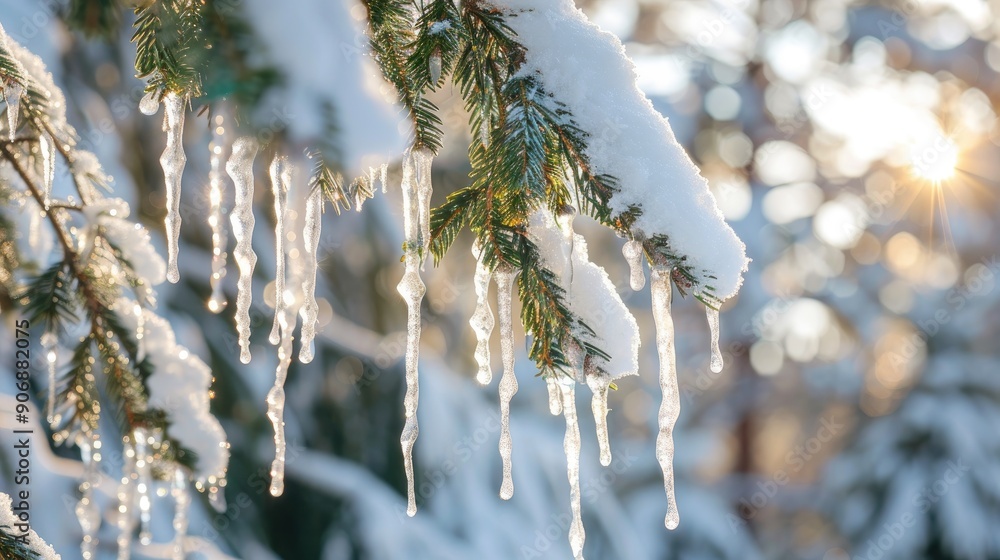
(857, 413)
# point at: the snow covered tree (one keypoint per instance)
(547, 143)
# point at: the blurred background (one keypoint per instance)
(853, 146)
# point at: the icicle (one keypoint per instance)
(571, 446)
(182, 501)
(276, 405)
(172, 161)
(422, 160)
(482, 320)
(383, 177)
(240, 168)
(143, 469)
(633, 254)
(508, 382)
(149, 104)
(484, 132)
(670, 406)
(49, 346)
(565, 219)
(87, 511)
(555, 398)
(47, 147)
(280, 178)
(713, 327)
(435, 67)
(126, 500)
(310, 310)
(412, 288)
(140, 333)
(35, 229)
(216, 216)
(599, 383)
(12, 95)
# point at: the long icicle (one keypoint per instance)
(508, 382)
(670, 406)
(173, 160)
(422, 160)
(87, 511)
(47, 147)
(280, 179)
(216, 215)
(310, 309)
(240, 168)
(571, 446)
(276, 405)
(182, 502)
(50, 346)
(143, 468)
(716, 362)
(126, 500)
(412, 288)
(482, 321)
(599, 382)
(633, 254)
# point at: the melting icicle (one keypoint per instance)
(412, 288)
(12, 95)
(713, 327)
(670, 406)
(87, 511)
(276, 405)
(35, 228)
(182, 501)
(383, 177)
(240, 168)
(143, 469)
(633, 254)
(599, 383)
(172, 161)
(482, 320)
(216, 217)
(149, 104)
(508, 382)
(571, 446)
(140, 333)
(126, 501)
(47, 147)
(49, 341)
(280, 177)
(555, 397)
(435, 67)
(422, 160)
(310, 310)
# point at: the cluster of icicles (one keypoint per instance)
(295, 282)
(416, 190)
(416, 185)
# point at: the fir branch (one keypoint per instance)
(165, 33)
(12, 547)
(96, 18)
(49, 299)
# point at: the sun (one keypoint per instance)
(934, 159)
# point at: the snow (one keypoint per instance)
(588, 71)
(173, 160)
(240, 168)
(321, 51)
(508, 381)
(482, 321)
(590, 294)
(35, 543)
(660, 288)
(109, 216)
(412, 288)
